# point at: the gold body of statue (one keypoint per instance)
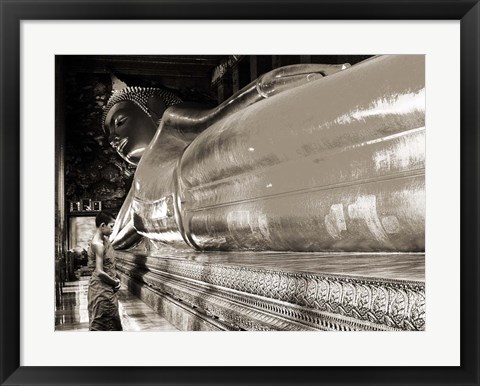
(295, 161)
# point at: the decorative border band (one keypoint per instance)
(389, 303)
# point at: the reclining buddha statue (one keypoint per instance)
(306, 158)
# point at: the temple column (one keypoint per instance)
(60, 228)
(276, 61)
(235, 79)
(224, 88)
(253, 68)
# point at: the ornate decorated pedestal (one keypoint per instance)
(281, 291)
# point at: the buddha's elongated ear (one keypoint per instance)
(156, 106)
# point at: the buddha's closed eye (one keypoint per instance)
(119, 121)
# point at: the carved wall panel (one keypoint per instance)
(249, 298)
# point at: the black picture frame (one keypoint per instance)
(12, 12)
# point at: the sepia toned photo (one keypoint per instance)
(240, 193)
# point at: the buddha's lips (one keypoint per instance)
(121, 145)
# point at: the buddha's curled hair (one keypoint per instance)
(139, 96)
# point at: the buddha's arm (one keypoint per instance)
(186, 118)
(182, 123)
(124, 234)
(127, 237)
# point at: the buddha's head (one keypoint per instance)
(131, 118)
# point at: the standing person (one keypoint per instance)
(102, 299)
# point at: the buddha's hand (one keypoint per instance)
(288, 77)
(126, 237)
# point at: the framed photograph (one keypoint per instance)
(97, 206)
(445, 34)
(86, 205)
(75, 206)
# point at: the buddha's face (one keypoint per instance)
(129, 130)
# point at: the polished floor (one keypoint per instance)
(71, 313)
